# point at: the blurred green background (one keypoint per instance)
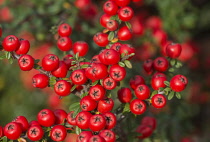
(184, 21)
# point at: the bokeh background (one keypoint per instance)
(182, 21)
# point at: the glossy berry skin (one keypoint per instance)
(12, 130)
(101, 39)
(111, 120)
(64, 43)
(80, 47)
(70, 119)
(35, 133)
(58, 133)
(78, 77)
(33, 123)
(126, 49)
(50, 62)
(105, 105)
(61, 71)
(178, 83)
(158, 101)
(104, 19)
(125, 13)
(137, 106)
(46, 117)
(149, 121)
(82, 4)
(96, 138)
(82, 119)
(109, 83)
(161, 64)
(23, 122)
(108, 135)
(110, 7)
(144, 130)
(60, 116)
(10, 43)
(64, 30)
(62, 88)
(117, 72)
(112, 25)
(87, 103)
(160, 37)
(1, 128)
(40, 80)
(173, 50)
(124, 95)
(148, 66)
(84, 136)
(124, 33)
(142, 92)
(122, 3)
(26, 62)
(97, 122)
(116, 46)
(158, 81)
(135, 81)
(111, 56)
(97, 92)
(23, 48)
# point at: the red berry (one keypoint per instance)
(61, 71)
(26, 62)
(83, 119)
(149, 121)
(80, 47)
(111, 120)
(178, 83)
(137, 106)
(62, 88)
(105, 105)
(109, 83)
(64, 30)
(1, 128)
(122, 2)
(60, 116)
(148, 66)
(64, 43)
(40, 80)
(158, 101)
(46, 117)
(101, 39)
(12, 130)
(124, 95)
(67, 60)
(111, 56)
(173, 50)
(87, 103)
(108, 135)
(154, 23)
(117, 72)
(23, 122)
(142, 92)
(84, 136)
(78, 77)
(97, 92)
(111, 25)
(144, 130)
(116, 46)
(82, 4)
(24, 47)
(35, 133)
(126, 49)
(160, 37)
(58, 133)
(0, 31)
(50, 62)
(97, 122)
(10, 43)
(104, 19)
(96, 138)
(110, 7)
(158, 81)
(135, 81)
(34, 123)
(161, 64)
(70, 119)
(125, 13)
(124, 33)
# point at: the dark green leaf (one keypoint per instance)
(72, 88)
(128, 24)
(36, 61)
(128, 64)
(154, 93)
(115, 17)
(2, 57)
(84, 94)
(78, 130)
(74, 106)
(121, 64)
(36, 66)
(111, 36)
(178, 95)
(166, 83)
(171, 95)
(167, 89)
(126, 108)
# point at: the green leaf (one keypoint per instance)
(101, 82)
(161, 88)
(52, 81)
(166, 83)
(109, 95)
(178, 95)
(154, 93)
(78, 130)
(128, 24)
(10, 60)
(8, 55)
(84, 66)
(36, 61)
(128, 64)
(173, 62)
(111, 36)
(171, 95)
(178, 64)
(115, 17)
(4, 139)
(171, 69)
(167, 89)
(94, 83)
(121, 64)
(72, 88)
(77, 56)
(126, 108)
(84, 94)
(74, 106)
(2, 57)
(36, 66)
